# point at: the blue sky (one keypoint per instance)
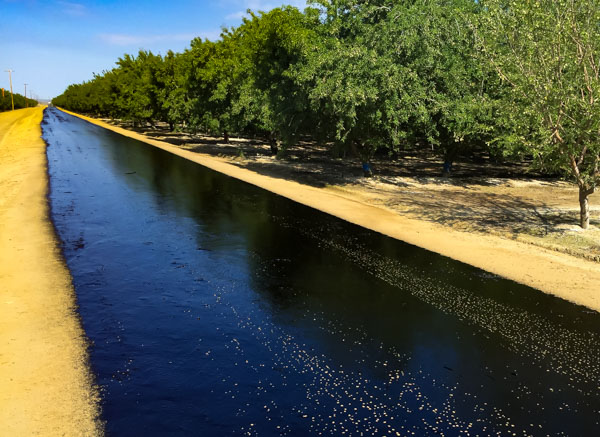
(51, 44)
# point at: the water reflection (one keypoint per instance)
(216, 307)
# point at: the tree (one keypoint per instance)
(273, 44)
(358, 81)
(173, 78)
(461, 93)
(138, 92)
(214, 67)
(385, 74)
(548, 53)
(18, 100)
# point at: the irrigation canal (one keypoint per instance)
(216, 308)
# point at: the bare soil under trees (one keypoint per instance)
(505, 200)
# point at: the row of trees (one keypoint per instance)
(18, 99)
(514, 77)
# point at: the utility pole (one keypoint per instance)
(26, 104)
(12, 100)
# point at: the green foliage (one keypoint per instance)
(513, 77)
(18, 99)
(274, 44)
(173, 77)
(461, 93)
(389, 73)
(365, 100)
(548, 53)
(362, 75)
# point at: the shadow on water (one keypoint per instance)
(217, 308)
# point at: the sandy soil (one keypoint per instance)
(45, 383)
(514, 226)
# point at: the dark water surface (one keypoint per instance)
(217, 308)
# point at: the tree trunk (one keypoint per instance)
(226, 137)
(585, 188)
(584, 207)
(274, 142)
(365, 154)
(274, 146)
(450, 154)
(447, 169)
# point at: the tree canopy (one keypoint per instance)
(547, 52)
(510, 77)
(18, 100)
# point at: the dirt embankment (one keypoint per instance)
(45, 383)
(516, 228)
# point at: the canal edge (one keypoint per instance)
(574, 279)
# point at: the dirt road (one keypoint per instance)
(45, 383)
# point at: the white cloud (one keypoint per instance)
(73, 9)
(120, 39)
(261, 5)
(236, 16)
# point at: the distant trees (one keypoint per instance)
(453, 76)
(19, 101)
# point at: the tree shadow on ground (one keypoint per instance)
(477, 211)
(410, 182)
(422, 163)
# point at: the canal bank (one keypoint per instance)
(45, 383)
(574, 279)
